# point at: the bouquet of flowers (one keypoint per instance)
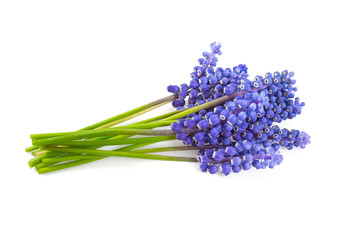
(229, 119)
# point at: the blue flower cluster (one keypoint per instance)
(240, 133)
(208, 83)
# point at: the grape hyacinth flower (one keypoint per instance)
(228, 118)
(243, 128)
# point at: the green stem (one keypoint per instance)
(149, 125)
(32, 148)
(88, 156)
(37, 160)
(106, 153)
(170, 149)
(100, 132)
(159, 118)
(64, 165)
(130, 117)
(69, 158)
(99, 143)
(145, 108)
(119, 154)
(127, 148)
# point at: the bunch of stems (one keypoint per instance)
(56, 151)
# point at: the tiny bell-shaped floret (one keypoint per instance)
(181, 136)
(232, 119)
(214, 120)
(197, 118)
(203, 124)
(203, 159)
(173, 89)
(194, 84)
(224, 114)
(218, 155)
(247, 145)
(175, 126)
(246, 165)
(189, 123)
(248, 157)
(199, 137)
(213, 169)
(245, 87)
(228, 127)
(236, 161)
(231, 151)
(193, 93)
(225, 168)
(236, 168)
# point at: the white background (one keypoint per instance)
(68, 64)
